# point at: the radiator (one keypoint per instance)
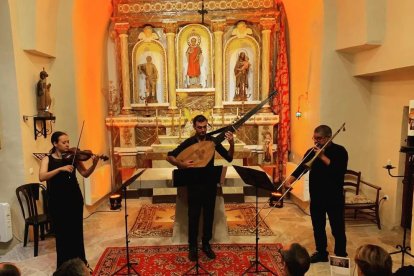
(6, 233)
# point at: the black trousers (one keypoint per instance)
(201, 196)
(335, 210)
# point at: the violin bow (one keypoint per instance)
(77, 146)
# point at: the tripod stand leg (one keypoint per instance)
(255, 264)
(197, 267)
(403, 248)
(129, 267)
(128, 264)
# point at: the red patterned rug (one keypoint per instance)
(157, 220)
(232, 259)
(154, 220)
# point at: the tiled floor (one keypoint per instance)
(289, 224)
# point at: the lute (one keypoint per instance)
(202, 152)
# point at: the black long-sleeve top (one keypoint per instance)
(326, 181)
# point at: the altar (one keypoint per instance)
(161, 178)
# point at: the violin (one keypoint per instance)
(81, 155)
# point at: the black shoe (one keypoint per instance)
(208, 251)
(344, 255)
(192, 253)
(319, 257)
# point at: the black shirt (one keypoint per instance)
(326, 179)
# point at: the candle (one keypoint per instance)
(180, 112)
(212, 113)
(156, 113)
(389, 162)
(237, 112)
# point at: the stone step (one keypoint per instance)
(233, 194)
(164, 195)
(168, 195)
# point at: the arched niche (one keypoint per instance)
(232, 49)
(139, 54)
(204, 38)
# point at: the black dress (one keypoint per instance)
(66, 209)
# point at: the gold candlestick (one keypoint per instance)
(157, 139)
(172, 124)
(179, 127)
(212, 119)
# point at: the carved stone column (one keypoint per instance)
(122, 31)
(218, 29)
(267, 25)
(127, 140)
(170, 28)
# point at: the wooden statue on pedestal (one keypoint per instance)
(43, 95)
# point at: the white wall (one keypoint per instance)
(10, 134)
(372, 106)
(389, 95)
(376, 102)
(19, 75)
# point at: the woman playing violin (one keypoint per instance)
(65, 197)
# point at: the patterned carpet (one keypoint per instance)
(154, 220)
(172, 260)
(157, 220)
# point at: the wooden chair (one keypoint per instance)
(29, 196)
(357, 201)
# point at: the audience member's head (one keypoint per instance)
(372, 260)
(297, 260)
(9, 269)
(72, 267)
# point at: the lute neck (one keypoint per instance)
(236, 125)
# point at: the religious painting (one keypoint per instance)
(241, 66)
(194, 58)
(149, 72)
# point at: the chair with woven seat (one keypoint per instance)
(28, 196)
(362, 205)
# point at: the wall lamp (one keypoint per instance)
(299, 113)
(390, 167)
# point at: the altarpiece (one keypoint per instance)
(175, 61)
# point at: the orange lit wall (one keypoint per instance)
(90, 32)
(305, 21)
